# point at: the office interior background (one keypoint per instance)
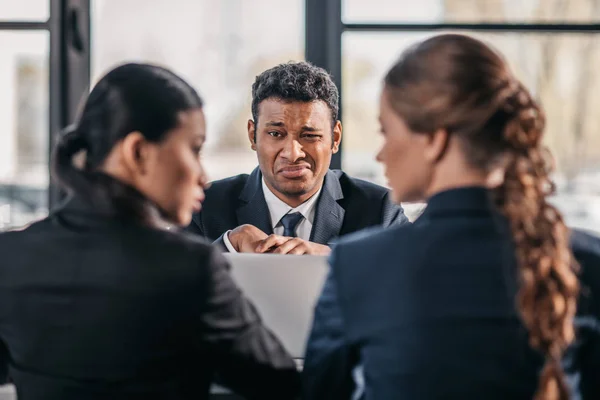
(51, 51)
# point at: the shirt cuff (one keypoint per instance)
(227, 242)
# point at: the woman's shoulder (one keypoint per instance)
(585, 244)
(373, 249)
(375, 237)
(586, 249)
(172, 246)
(179, 243)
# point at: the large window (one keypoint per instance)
(218, 46)
(23, 121)
(557, 65)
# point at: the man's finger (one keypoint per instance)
(271, 241)
(299, 250)
(286, 247)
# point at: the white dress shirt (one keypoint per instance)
(277, 209)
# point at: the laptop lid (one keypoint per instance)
(284, 289)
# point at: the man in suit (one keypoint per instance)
(292, 203)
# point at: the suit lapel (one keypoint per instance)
(329, 215)
(254, 211)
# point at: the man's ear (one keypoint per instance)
(252, 134)
(436, 145)
(135, 153)
(336, 137)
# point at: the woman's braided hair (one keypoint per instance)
(457, 83)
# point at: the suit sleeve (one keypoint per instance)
(223, 244)
(195, 226)
(328, 364)
(590, 371)
(251, 360)
(586, 248)
(392, 214)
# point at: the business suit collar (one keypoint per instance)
(254, 211)
(463, 200)
(329, 215)
(278, 208)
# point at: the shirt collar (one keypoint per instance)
(277, 208)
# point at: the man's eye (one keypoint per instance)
(312, 136)
(275, 133)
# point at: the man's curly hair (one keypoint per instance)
(295, 81)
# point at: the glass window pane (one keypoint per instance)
(24, 10)
(558, 68)
(439, 11)
(218, 46)
(24, 119)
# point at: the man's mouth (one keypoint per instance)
(294, 171)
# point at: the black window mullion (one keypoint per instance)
(323, 45)
(69, 67)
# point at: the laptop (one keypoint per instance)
(284, 289)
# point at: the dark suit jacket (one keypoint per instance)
(95, 307)
(428, 311)
(345, 205)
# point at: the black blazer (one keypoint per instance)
(345, 205)
(96, 307)
(428, 311)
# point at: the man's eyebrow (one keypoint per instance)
(307, 128)
(273, 123)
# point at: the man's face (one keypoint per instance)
(294, 144)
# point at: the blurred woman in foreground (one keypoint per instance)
(102, 299)
(478, 298)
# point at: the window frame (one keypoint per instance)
(69, 56)
(324, 28)
(68, 27)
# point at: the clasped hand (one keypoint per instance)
(250, 239)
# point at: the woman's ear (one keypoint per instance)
(497, 172)
(436, 145)
(136, 153)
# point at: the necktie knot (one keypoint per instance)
(290, 222)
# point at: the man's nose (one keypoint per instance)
(293, 150)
